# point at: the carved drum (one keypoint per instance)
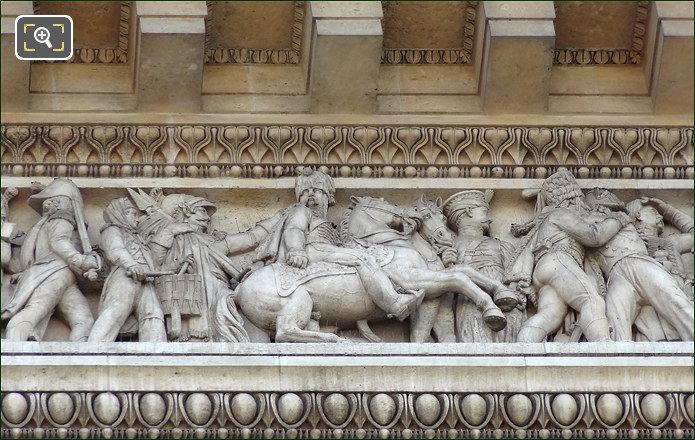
(180, 294)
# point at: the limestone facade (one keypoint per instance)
(231, 101)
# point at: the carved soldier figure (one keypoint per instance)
(127, 290)
(468, 214)
(636, 279)
(182, 242)
(9, 233)
(552, 257)
(307, 236)
(649, 214)
(54, 251)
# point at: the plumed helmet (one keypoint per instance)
(314, 179)
(455, 205)
(558, 187)
(176, 204)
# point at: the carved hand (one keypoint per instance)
(180, 228)
(622, 217)
(6, 314)
(449, 256)
(188, 262)
(85, 262)
(526, 289)
(89, 265)
(658, 202)
(138, 272)
(297, 258)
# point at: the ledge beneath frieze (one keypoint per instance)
(216, 390)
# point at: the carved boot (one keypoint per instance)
(505, 298)
(494, 318)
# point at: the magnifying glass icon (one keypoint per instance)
(42, 35)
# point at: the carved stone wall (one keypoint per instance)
(229, 102)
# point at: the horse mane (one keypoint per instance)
(343, 234)
(343, 227)
(429, 204)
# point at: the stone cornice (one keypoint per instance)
(435, 120)
(263, 151)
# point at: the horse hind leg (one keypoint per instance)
(423, 320)
(293, 319)
(366, 332)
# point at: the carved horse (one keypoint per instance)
(341, 299)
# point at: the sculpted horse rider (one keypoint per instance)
(282, 299)
(307, 236)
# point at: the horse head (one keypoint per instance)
(433, 228)
(369, 215)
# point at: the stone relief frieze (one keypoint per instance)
(345, 151)
(346, 414)
(587, 266)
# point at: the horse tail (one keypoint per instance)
(227, 322)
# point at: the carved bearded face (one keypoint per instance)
(649, 220)
(476, 216)
(315, 199)
(199, 218)
(57, 203)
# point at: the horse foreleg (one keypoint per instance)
(293, 319)
(486, 283)
(436, 283)
(502, 295)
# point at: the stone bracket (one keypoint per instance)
(170, 60)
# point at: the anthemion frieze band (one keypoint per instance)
(348, 220)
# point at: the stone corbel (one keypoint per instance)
(171, 47)
(672, 66)
(517, 57)
(345, 56)
(15, 73)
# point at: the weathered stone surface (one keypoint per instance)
(234, 145)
